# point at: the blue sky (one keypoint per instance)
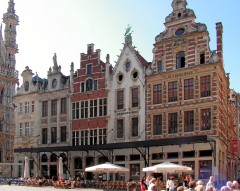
(67, 26)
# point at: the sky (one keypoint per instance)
(65, 27)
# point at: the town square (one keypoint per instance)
(119, 95)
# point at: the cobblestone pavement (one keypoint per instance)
(24, 188)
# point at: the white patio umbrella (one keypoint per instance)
(60, 168)
(26, 173)
(107, 168)
(167, 167)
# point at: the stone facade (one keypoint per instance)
(8, 80)
(43, 119)
(187, 97)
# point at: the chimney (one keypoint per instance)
(219, 29)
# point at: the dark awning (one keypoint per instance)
(125, 145)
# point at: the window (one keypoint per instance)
(63, 134)
(157, 94)
(21, 130)
(205, 169)
(172, 91)
(82, 87)
(172, 123)
(135, 97)
(44, 108)
(180, 60)
(21, 108)
(54, 107)
(95, 85)
(157, 124)
(135, 127)
(120, 128)
(160, 66)
(89, 69)
(93, 137)
(89, 85)
(120, 103)
(205, 119)
(54, 135)
(102, 136)
(205, 86)
(27, 131)
(86, 109)
(1, 95)
(32, 106)
(64, 105)
(75, 139)
(188, 89)
(93, 108)
(32, 128)
(26, 107)
(202, 58)
(44, 136)
(188, 121)
(103, 107)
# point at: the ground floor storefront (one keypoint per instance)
(206, 157)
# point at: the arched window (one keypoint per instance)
(53, 158)
(64, 157)
(89, 85)
(78, 163)
(44, 158)
(180, 60)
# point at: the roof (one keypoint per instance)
(141, 59)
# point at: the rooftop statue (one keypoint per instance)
(128, 29)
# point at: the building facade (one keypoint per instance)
(127, 107)
(8, 80)
(89, 109)
(187, 96)
(43, 120)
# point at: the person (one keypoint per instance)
(230, 185)
(180, 180)
(210, 188)
(167, 184)
(211, 182)
(148, 180)
(152, 186)
(225, 188)
(143, 184)
(171, 184)
(131, 186)
(158, 184)
(235, 185)
(192, 186)
(186, 181)
(180, 188)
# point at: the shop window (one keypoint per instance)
(120, 158)
(135, 171)
(134, 157)
(189, 154)
(172, 155)
(205, 153)
(78, 163)
(157, 156)
(205, 169)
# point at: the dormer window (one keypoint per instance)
(180, 60)
(202, 58)
(89, 69)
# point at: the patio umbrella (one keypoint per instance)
(26, 173)
(107, 168)
(60, 168)
(167, 167)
